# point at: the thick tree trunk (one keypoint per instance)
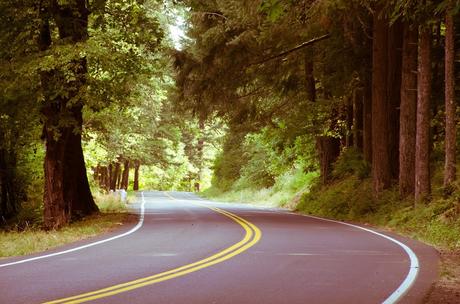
(137, 165)
(125, 177)
(328, 149)
(422, 148)
(395, 40)
(451, 121)
(408, 112)
(67, 194)
(381, 166)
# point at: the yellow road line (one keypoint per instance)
(251, 237)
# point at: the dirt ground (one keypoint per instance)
(447, 289)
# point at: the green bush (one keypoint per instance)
(351, 162)
(350, 199)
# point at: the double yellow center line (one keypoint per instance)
(251, 237)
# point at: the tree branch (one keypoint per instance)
(300, 46)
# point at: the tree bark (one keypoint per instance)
(102, 177)
(408, 116)
(394, 63)
(125, 178)
(109, 176)
(310, 82)
(119, 176)
(328, 151)
(137, 165)
(367, 121)
(115, 176)
(67, 194)
(349, 122)
(8, 197)
(200, 151)
(422, 148)
(358, 118)
(381, 167)
(451, 121)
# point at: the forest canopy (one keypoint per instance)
(265, 94)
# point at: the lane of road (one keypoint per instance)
(243, 254)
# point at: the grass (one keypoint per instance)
(283, 191)
(32, 239)
(350, 199)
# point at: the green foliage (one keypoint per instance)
(351, 162)
(15, 243)
(285, 188)
(350, 199)
(109, 203)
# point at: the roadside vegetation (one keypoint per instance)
(340, 108)
(26, 236)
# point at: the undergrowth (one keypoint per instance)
(27, 237)
(349, 197)
(282, 192)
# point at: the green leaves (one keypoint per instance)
(274, 9)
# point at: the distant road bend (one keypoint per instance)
(187, 250)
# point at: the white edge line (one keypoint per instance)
(134, 229)
(414, 263)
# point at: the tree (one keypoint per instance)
(450, 106)
(422, 147)
(67, 193)
(408, 111)
(381, 163)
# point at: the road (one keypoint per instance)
(186, 250)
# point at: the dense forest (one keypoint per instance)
(288, 97)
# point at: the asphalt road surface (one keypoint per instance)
(186, 250)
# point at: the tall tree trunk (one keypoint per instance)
(110, 176)
(125, 178)
(328, 149)
(103, 177)
(408, 112)
(349, 122)
(115, 176)
(451, 121)
(8, 196)
(67, 194)
(422, 148)
(358, 118)
(119, 177)
(137, 165)
(310, 82)
(395, 41)
(200, 150)
(381, 166)
(367, 121)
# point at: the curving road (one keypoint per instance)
(185, 250)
